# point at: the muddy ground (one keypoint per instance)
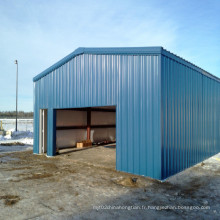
(84, 185)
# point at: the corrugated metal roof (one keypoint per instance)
(189, 64)
(123, 51)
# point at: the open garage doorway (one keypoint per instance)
(77, 125)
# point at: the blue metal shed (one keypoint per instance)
(167, 109)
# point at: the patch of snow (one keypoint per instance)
(17, 135)
(7, 137)
(27, 141)
(23, 135)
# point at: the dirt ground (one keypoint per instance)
(83, 184)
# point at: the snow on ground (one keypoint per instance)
(17, 141)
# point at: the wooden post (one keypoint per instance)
(88, 123)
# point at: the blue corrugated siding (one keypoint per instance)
(190, 116)
(132, 83)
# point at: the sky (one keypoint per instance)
(39, 33)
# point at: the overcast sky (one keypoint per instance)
(39, 33)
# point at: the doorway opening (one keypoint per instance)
(43, 131)
(95, 124)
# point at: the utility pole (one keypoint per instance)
(16, 124)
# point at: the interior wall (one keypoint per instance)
(103, 118)
(71, 117)
(103, 134)
(69, 137)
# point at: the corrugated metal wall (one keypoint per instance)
(132, 83)
(190, 116)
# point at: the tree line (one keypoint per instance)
(12, 114)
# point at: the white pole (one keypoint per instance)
(16, 125)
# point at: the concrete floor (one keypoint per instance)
(83, 184)
(104, 156)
